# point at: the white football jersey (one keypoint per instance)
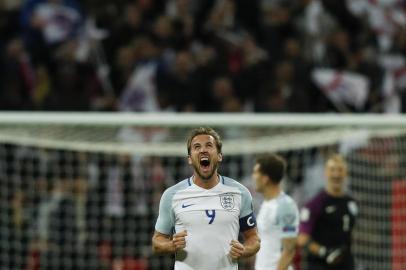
(212, 218)
(277, 219)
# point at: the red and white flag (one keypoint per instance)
(342, 87)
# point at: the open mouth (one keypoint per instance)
(204, 162)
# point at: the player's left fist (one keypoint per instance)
(179, 240)
(236, 250)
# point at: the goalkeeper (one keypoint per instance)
(327, 222)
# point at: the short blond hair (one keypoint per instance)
(337, 158)
(204, 131)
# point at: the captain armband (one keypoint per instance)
(248, 222)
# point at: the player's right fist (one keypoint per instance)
(179, 240)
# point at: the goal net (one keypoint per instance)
(81, 191)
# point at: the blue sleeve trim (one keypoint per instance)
(248, 222)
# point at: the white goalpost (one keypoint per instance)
(81, 190)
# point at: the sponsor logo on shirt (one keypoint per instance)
(330, 209)
(187, 205)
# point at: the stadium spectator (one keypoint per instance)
(17, 77)
(222, 91)
(75, 85)
(327, 222)
(176, 89)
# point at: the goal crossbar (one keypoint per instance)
(197, 119)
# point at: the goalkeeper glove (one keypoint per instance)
(332, 256)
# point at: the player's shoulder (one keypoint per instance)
(285, 200)
(286, 203)
(315, 204)
(230, 182)
(172, 190)
(317, 199)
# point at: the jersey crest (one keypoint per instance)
(352, 207)
(227, 201)
(288, 219)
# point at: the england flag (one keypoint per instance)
(342, 87)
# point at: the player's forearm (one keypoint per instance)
(251, 246)
(162, 245)
(288, 252)
(286, 259)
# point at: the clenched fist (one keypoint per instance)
(179, 241)
(236, 250)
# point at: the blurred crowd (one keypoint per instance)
(203, 56)
(75, 210)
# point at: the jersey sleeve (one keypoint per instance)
(288, 219)
(166, 218)
(247, 217)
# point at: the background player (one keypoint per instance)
(278, 217)
(327, 222)
(206, 212)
